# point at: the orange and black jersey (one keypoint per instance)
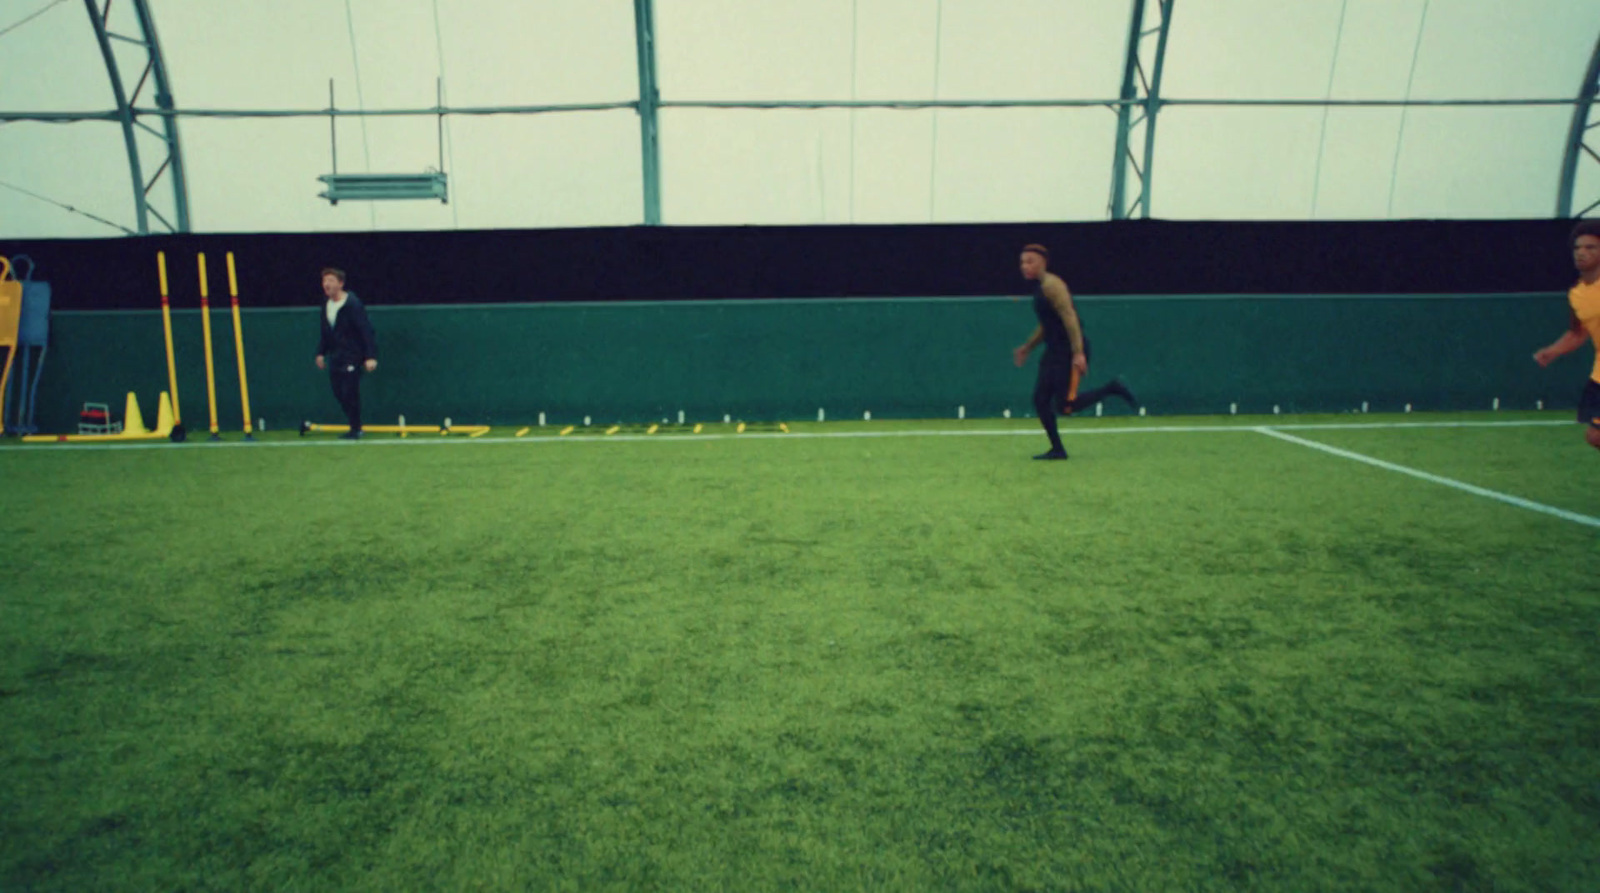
(1585, 301)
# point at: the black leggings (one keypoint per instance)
(1053, 388)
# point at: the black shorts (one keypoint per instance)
(1055, 376)
(1057, 383)
(1589, 404)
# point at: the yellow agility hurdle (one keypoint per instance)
(469, 430)
(132, 427)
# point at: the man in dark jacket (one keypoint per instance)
(348, 347)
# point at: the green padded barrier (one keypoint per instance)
(785, 359)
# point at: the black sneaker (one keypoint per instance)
(1053, 454)
(350, 435)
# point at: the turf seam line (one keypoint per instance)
(793, 435)
(1475, 490)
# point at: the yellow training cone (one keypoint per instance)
(164, 417)
(132, 420)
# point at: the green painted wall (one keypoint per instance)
(770, 359)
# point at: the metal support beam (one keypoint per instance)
(887, 104)
(157, 68)
(1575, 135)
(1141, 94)
(154, 71)
(644, 23)
(124, 113)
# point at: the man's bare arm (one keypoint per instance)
(1567, 343)
(1034, 339)
(1020, 355)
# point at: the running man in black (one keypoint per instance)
(1066, 353)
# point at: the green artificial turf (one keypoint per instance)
(1182, 660)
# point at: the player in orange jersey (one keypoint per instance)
(1584, 296)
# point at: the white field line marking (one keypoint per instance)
(1066, 431)
(1507, 498)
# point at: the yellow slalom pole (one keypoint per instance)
(5, 379)
(205, 322)
(172, 366)
(238, 346)
(10, 322)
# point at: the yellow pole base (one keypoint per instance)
(133, 428)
